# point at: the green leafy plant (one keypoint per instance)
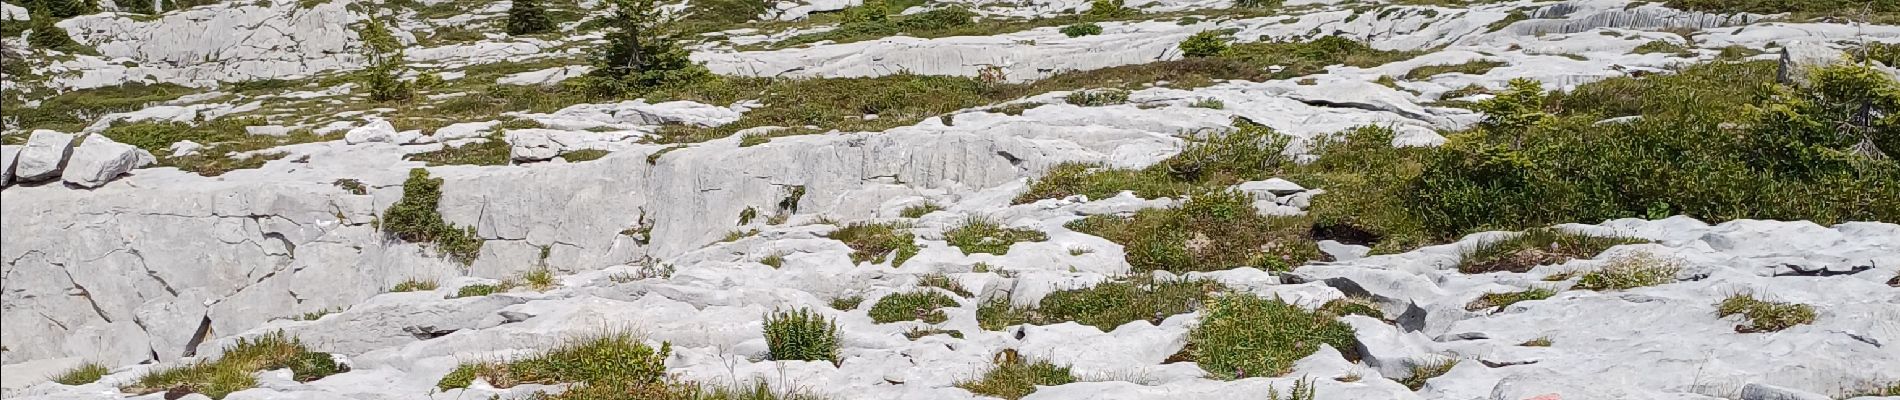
(917, 305)
(1242, 335)
(801, 334)
(610, 361)
(1208, 103)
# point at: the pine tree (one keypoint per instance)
(641, 54)
(46, 36)
(528, 17)
(61, 9)
(383, 75)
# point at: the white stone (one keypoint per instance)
(45, 153)
(8, 153)
(378, 131)
(184, 148)
(99, 160)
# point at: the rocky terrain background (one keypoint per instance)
(955, 199)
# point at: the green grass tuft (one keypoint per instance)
(82, 374)
(918, 211)
(1420, 373)
(1764, 315)
(233, 371)
(1630, 272)
(1544, 246)
(1012, 377)
(917, 305)
(414, 285)
(1104, 306)
(874, 242)
(1498, 301)
(1209, 232)
(1242, 335)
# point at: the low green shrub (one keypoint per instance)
(1243, 336)
(1764, 315)
(979, 235)
(917, 305)
(1208, 103)
(1012, 377)
(478, 290)
(1082, 29)
(1543, 246)
(1205, 44)
(801, 334)
(874, 242)
(414, 219)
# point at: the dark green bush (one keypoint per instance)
(414, 219)
(1082, 29)
(528, 17)
(1717, 142)
(1205, 44)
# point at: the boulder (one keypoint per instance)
(1757, 391)
(7, 154)
(185, 148)
(1277, 186)
(530, 145)
(99, 160)
(44, 155)
(375, 131)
